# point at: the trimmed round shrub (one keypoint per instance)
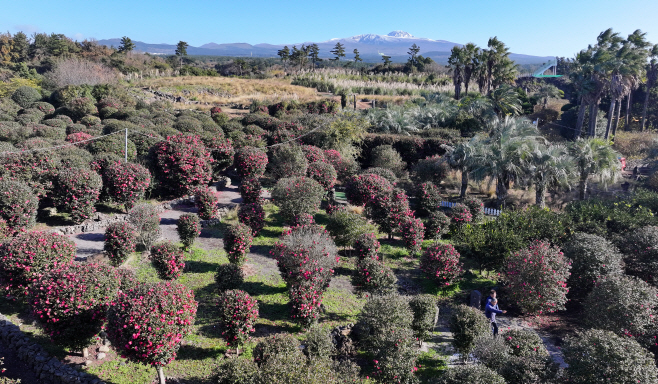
(371, 275)
(57, 123)
(206, 201)
(90, 121)
(76, 191)
(44, 107)
(467, 325)
(113, 144)
(182, 163)
(302, 219)
(25, 96)
(30, 255)
(367, 246)
(144, 217)
(471, 373)
(144, 140)
(318, 344)
(431, 169)
(460, 214)
(126, 183)
(313, 154)
(287, 161)
(250, 191)
(382, 172)
(476, 207)
(596, 356)
(592, 258)
(35, 169)
(641, 248)
(440, 263)
(135, 326)
(47, 132)
(297, 195)
(250, 162)
(381, 316)
(188, 125)
(412, 231)
(18, 205)
(524, 343)
(79, 107)
(436, 225)
(395, 359)
(237, 240)
(346, 227)
(361, 189)
(625, 305)
(278, 344)
(78, 137)
(238, 313)
(252, 215)
(537, 277)
(222, 152)
(323, 173)
(429, 197)
(168, 260)
(107, 112)
(345, 167)
(120, 242)
(64, 118)
(236, 371)
(389, 210)
(228, 276)
(189, 228)
(71, 302)
(425, 311)
(385, 156)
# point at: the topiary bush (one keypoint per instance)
(361, 189)
(250, 162)
(389, 210)
(237, 240)
(592, 258)
(78, 137)
(625, 305)
(127, 183)
(346, 227)
(188, 125)
(297, 195)
(313, 154)
(524, 343)
(323, 173)
(30, 255)
(79, 107)
(476, 207)
(252, 215)
(236, 371)
(222, 152)
(144, 217)
(367, 246)
(228, 276)
(425, 313)
(120, 242)
(206, 201)
(460, 215)
(385, 156)
(436, 225)
(278, 344)
(250, 191)
(440, 263)
(537, 278)
(71, 302)
(412, 231)
(471, 373)
(641, 248)
(371, 275)
(188, 228)
(135, 325)
(25, 96)
(18, 205)
(238, 313)
(302, 219)
(431, 169)
(287, 161)
(318, 344)
(182, 163)
(382, 172)
(168, 260)
(76, 191)
(429, 198)
(467, 324)
(596, 356)
(114, 144)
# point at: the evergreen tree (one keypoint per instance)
(357, 58)
(413, 55)
(313, 54)
(338, 51)
(284, 54)
(127, 45)
(387, 60)
(181, 50)
(21, 47)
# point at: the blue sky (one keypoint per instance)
(531, 27)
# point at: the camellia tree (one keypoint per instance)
(148, 324)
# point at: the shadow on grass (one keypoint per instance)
(274, 311)
(194, 266)
(191, 352)
(343, 270)
(257, 288)
(263, 250)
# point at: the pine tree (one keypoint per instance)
(313, 54)
(413, 55)
(357, 58)
(284, 54)
(127, 45)
(387, 60)
(181, 50)
(338, 51)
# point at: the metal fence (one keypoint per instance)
(487, 211)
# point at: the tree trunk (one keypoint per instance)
(458, 91)
(161, 376)
(540, 195)
(462, 192)
(501, 192)
(593, 109)
(644, 108)
(583, 186)
(581, 119)
(629, 104)
(614, 127)
(611, 115)
(85, 352)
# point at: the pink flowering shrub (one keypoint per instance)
(182, 163)
(250, 190)
(168, 260)
(537, 277)
(323, 173)
(313, 154)
(222, 152)
(76, 190)
(237, 240)
(36, 169)
(389, 210)
(367, 246)
(302, 219)
(120, 242)
(305, 304)
(71, 302)
(371, 275)
(126, 183)
(148, 324)
(250, 162)
(524, 343)
(215, 110)
(188, 228)
(252, 215)
(237, 316)
(437, 224)
(28, 256)
(460, 214)
(429, 197)
(441, 263)
(18, 205)
(412, 231)
(78, 137)
(361, 189)
(206, 200)
(297, 195)
(476, 206)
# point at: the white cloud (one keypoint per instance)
(26, 28)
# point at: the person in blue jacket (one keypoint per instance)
(492, 295)
(490, 312)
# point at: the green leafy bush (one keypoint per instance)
(236, 371)
(168, 260)
(76, 191)
(346, 227)
(425, 310)
(371, 275)
(524, 343)
(25, 96)
(144, 217)
(429, 197)
(229, 276)
(281, 344)
(18, 205)
(467, 325)
(440, 263)
(436, 225)
(120, 242)
(188, 125)
(206, 200)
(471, 373)
(431, 169)
(641, 248)
(297, 195)
(222, 151)
(237, 240)
(318, 344)
(287, 161)
(381, 172)
(379, 314)
(79, 107)
(592, 258)
(113, 144)
(188, 228)
(237, 316)
(367, 246)
(476, 207)
(384, 156)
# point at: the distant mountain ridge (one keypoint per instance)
(371, 47)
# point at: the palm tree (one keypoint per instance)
(463, 157)
(551, 167)
(478, 106)
(506, 153)
(652, 78)
(456, 63)
(594, 158)
(505, 101)
(499, 68)
(548, 91)
(470, 51)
